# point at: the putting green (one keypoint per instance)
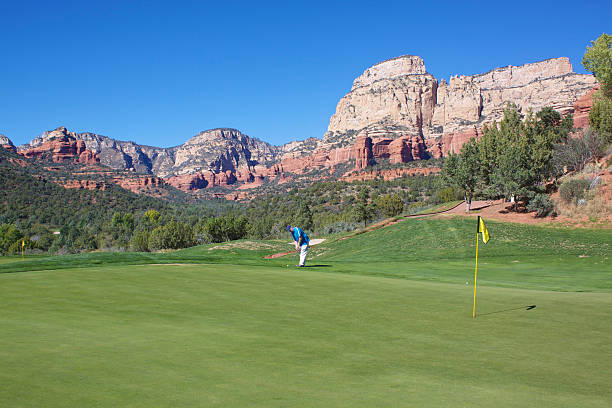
(236, 336)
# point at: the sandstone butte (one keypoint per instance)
(395, 111)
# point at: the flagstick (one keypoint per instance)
(475, 276)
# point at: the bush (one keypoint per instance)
(227, 228)
(338, 227)
(174, 235)
(573, 189)
(542, 205)
(446, 195)
(9, 235)
(390, 205)
(140, 242)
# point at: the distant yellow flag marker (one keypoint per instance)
(480, 229)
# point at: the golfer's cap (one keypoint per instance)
(288, 227)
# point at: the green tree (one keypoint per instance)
(363, 210)
(390, 204)
(303, 218)
(598, 60)
(226, 228)
(9, 235)
(140, 241)
(151, 217)
(600, 117)
(464, 170)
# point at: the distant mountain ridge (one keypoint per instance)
(395, 111)
(216, 150)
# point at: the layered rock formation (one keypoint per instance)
(60, 147)
(398, 98)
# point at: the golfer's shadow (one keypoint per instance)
(530, 307)
(317, 266)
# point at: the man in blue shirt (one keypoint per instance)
(301, 242)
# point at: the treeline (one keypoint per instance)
(41, 216)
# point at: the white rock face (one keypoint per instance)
(397, 98)
(396, 67)
(5, 141)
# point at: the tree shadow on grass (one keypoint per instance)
(530, 307)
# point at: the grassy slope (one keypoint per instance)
(444, 250)
(237, 330)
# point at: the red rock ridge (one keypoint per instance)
(135, 183)
(62, 150)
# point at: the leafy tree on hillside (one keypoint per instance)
(151, 217)
(464, 170)
(598, 60)
(363, 210)
(9, 235)
(390, 204)
(303, 218)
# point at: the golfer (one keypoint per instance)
(301, 242)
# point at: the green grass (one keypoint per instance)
(439, 207)
(381, 319)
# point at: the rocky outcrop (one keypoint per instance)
(134, 183)
(363, 152)
(399, 103)
(59, 146)
(6, 143)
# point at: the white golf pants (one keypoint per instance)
(303, 253)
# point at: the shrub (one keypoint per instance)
(140, 242)
(9, 235)
(338, 227)
(542, 205)
(390, 204)
(573, 189)
(446, 195)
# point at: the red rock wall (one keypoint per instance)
(63, 150)
(582, 107)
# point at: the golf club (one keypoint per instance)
(293, 259)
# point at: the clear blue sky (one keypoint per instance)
(158, 73)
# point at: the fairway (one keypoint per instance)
(267, 336)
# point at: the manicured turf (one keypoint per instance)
(382, 319)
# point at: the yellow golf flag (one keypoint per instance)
(22, 243)
(482, 229)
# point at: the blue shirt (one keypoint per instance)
(296, 235)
